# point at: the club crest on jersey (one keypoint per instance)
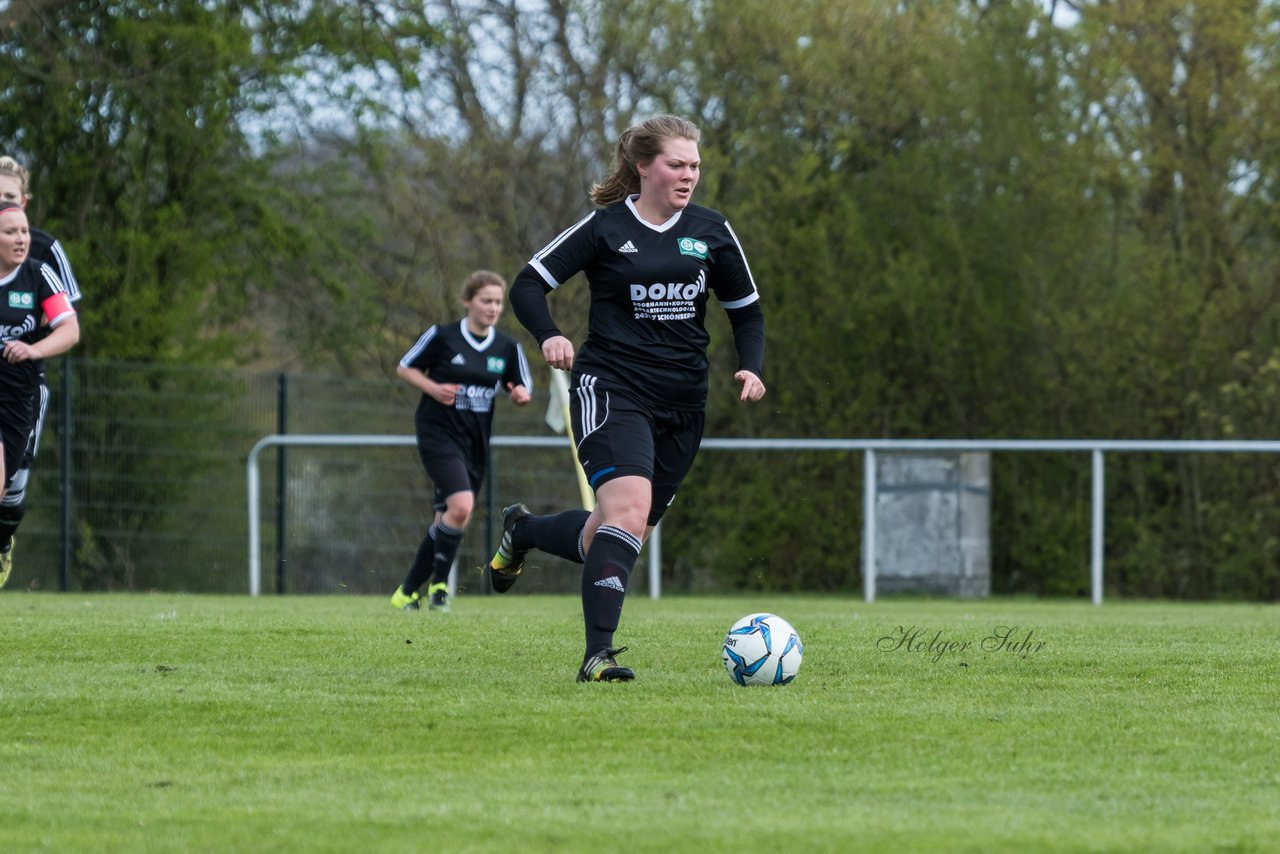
(496, 364)
(21, 300)
(691, 246)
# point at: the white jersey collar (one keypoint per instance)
(631, 203)
(478, 344)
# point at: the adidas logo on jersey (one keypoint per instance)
(458, 360)
(612, 583)
(628, 247)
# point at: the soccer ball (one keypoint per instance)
(762, 649)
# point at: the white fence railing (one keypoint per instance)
(869, 447)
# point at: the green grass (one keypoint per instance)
(165, 722)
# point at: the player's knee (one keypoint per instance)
(632, 517)
(458, 509)
(14, 495)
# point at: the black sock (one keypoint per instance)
(422, 563)
(10, 518)
(447, 542)
(604, 584)
(559, 534)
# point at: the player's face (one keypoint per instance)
(15, 239)
(484, 309)
(11, 190)
(667, 183)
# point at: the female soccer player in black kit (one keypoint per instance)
(43, 247)
(460, 368)
(31, 298)
(639, 383)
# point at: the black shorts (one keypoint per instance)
(17, 422)
(450, 470)
(618, 435)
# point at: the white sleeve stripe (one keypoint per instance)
(51, 276)
(417, 349)
(54, 321)
(745, 265)
(739, 303)
(544, 273)
(526, 376)
(550, 247)
(64, 270)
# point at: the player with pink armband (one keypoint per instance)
(33, 301)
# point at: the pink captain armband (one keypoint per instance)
(56, 308)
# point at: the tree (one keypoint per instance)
(141, 122)
(138, 119)
(1184, 97)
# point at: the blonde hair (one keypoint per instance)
(14, 169)
(480, 279)
(639, 144)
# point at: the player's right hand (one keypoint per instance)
(445, 393)
(558, 351)
(17, 351)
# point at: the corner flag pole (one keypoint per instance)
(558, 420)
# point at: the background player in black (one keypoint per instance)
(14, 181)
(639, 385)
(31, 296)
(460, 368)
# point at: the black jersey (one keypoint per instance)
(32, 293)
(47, 249)
(649, 288)
(481, 367)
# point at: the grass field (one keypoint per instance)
(192, 723)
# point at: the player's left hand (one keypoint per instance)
(519, 394)
(752, 386)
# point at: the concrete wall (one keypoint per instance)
(933, 524)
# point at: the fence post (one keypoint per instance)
(490, 516)
(869, 524)
(1097, 505)
(65, 471)
(282, 475)
(655, 561)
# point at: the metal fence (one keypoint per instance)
(139, 482)
(868, 447)
(140, 485)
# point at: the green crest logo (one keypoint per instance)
(21, 300)
(496, 364)
(692, 246)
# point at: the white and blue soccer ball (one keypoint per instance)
(762, 649)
